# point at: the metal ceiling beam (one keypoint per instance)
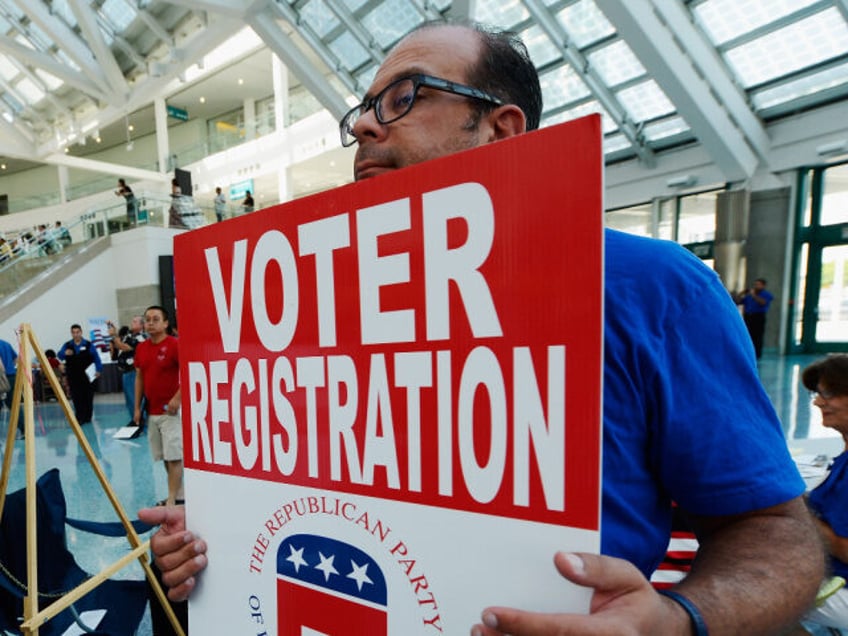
(66, 39)
(559, 36)
(695, 80)
(143, 93)
(842, 5)
(355, 28)
(225, 8)
(61, 159)
(158, 30)
(87, 21)
(47, 63)
(266, 27)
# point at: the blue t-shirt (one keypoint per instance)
(751, 306)
(685, 415)
(829, 501)
(8, 355)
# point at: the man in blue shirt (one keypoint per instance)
(82, 367)
(9, 357)
(679, 389)
(755, 303)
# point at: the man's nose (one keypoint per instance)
(367, 127)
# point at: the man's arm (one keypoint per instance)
(755, 573)
(139, 394)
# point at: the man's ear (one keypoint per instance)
(506, 121)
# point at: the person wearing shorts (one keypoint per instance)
(158, 380)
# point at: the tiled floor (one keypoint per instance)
(138, 482)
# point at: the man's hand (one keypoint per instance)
(623, 603)
(179, 554)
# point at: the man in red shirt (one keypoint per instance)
(158, 379)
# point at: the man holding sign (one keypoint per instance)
(669, 418)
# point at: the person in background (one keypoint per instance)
(62, 235)
(827, 379)
(5, 250)
(58, 369)
(247, 204)
(672, 408)
(157, 381)
(122, 345)
(755, 303)
(125, 191)
(82, 366)
(9, 359)
(220, 205)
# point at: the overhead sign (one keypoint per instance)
(392, 394)
(177, 113)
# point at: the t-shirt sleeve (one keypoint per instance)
(721, 446)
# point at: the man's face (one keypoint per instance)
(76, 334)
(758, 285)
(137, 324)
(439, 122)
(155, 322)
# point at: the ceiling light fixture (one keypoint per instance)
(833, 148)
(682, 181)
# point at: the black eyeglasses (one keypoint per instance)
(397, 99)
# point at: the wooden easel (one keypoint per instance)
(33, 619)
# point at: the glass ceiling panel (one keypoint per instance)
(724, 20)
(666, 128)
(818, 38)
(63, 10)
(318, 16)
(542, 50)
(808, 85)
(349, 51)
(118, 13)
(616, 63)
(391, 20)
(503, 13)
(615, 143)
(562, 86)
(585, 23)
(29, 90)
(608, 125)
(645, 101)
(8, 70)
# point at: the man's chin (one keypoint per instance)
(371, 171)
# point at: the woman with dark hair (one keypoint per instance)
(827, 379)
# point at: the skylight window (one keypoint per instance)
(118, 13)
(616, 63)
(8, 69)
(802, 44)
(724, 20)
(645, 101)
(562, 86)
(585, 23)
(391, 20)
(30, 90)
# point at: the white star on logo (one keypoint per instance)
(296, 557)
(326, 565)
(358, 574)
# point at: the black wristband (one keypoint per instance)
(698, 623)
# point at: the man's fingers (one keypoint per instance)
(171, 518)
(603, 573)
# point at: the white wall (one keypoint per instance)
(132, 260)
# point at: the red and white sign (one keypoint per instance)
(398, 381)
